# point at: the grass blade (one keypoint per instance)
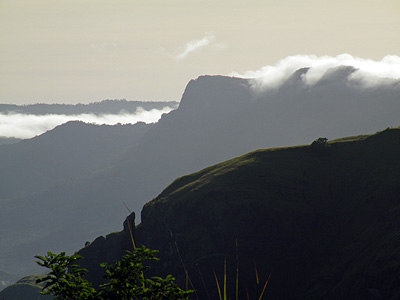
(219, 290)
(202, 280)
(225, 280)
(237, 271)
(265, 286)
(126, 207)
(188, 280)
(130, 232)
(257, 279)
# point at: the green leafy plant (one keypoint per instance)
(126, 279)
(65, 280)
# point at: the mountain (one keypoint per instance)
(218, 118)
(26, 289)
(102, 107)
(60, 156)
(68, 151)
(321, 219)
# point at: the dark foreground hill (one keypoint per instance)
(323, 219)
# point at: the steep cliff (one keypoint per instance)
(322, 219)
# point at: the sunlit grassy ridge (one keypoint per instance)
(323, 220)
(319, 218)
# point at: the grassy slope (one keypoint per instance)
(324, 222)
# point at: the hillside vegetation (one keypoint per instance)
(323, 220)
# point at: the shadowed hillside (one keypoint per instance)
(70, 150)
(25, 289)
(322, 218)
(60, 156)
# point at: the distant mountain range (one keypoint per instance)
(68, 151)
(61, 156)
(76, 190)
(102, 107)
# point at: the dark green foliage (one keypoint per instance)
(126, 279)
(65, 280)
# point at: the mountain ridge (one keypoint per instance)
(102, 107)
(322, 220)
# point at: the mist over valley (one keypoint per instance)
(27, 121)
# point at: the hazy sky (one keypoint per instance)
(89, 50)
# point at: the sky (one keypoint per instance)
(70, 51)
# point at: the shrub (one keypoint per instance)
(320, 144)
(126, 279)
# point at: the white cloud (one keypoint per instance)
(369, 72)
(29, 125)
(195, 45)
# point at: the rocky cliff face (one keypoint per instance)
(323, 221)
(216, 93)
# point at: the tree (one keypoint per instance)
(320, 144)
(126, 279)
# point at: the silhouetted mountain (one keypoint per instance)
(64, 154)
(69, 150)
(102, 107)
(25, 289)
(218, 118)
(321, 219)
(7, 279)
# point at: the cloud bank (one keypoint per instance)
(28, 125)
(194, 46)
(369, 73)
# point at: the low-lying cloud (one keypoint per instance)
(195, 45)
(368, 72)
(29, 125)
